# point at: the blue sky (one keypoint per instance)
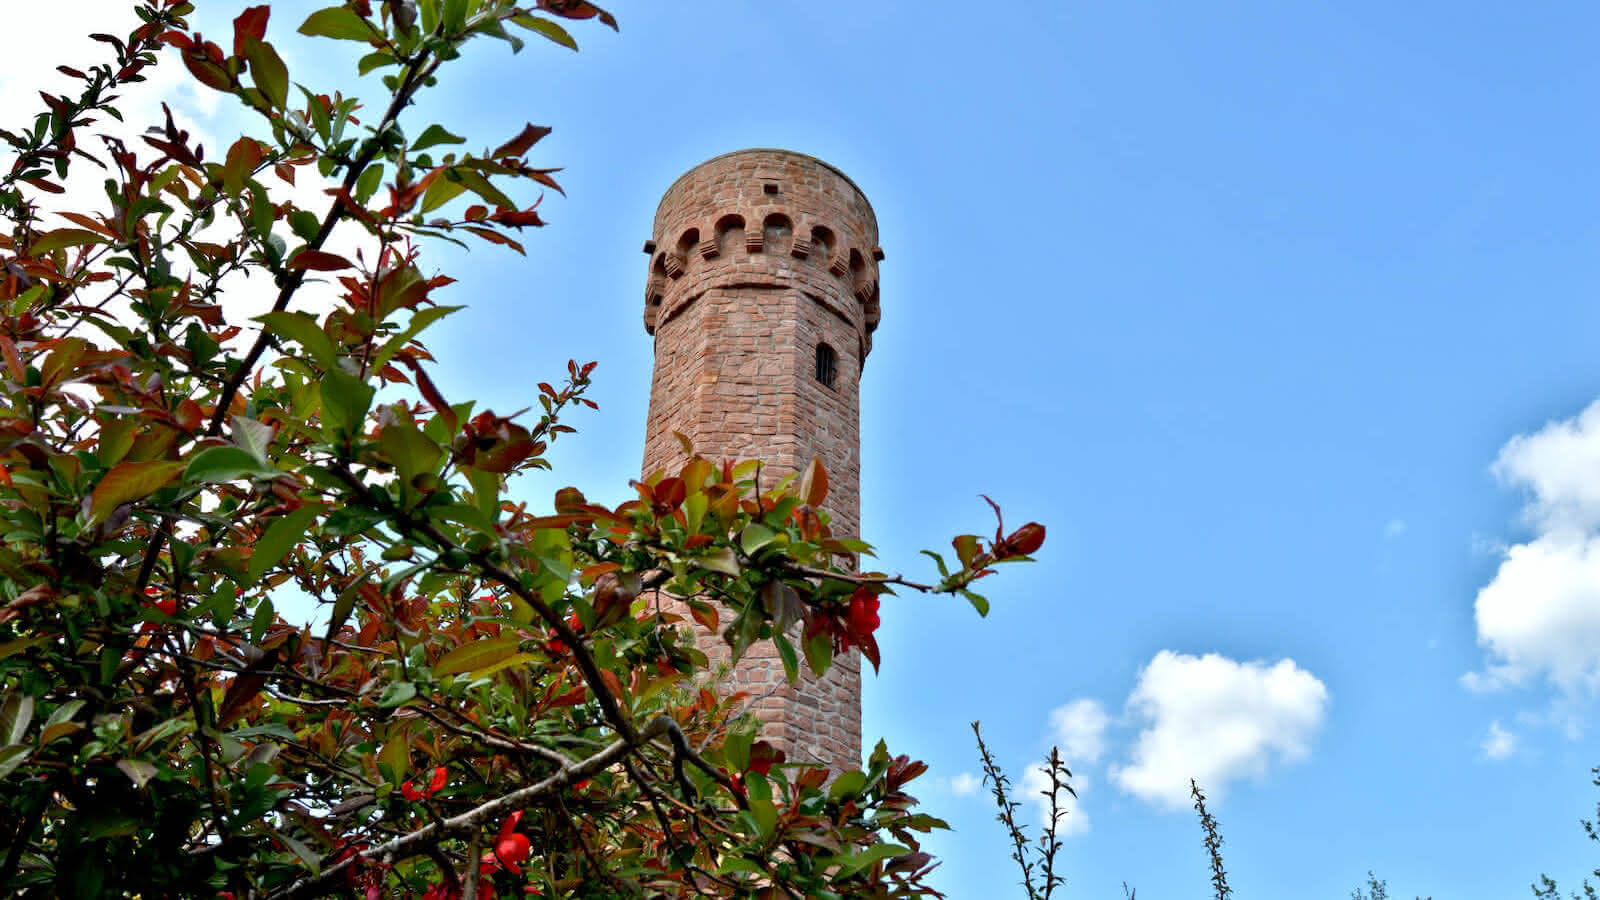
(1280, 316)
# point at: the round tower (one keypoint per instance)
(762, 295)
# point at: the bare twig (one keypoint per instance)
(999, 784)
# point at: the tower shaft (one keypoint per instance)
(762, 296)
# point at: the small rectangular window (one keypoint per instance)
(827, 365)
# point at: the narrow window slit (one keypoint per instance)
(827, 365)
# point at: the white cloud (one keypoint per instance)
(1499, 743)
(965, 784)
(1558, 463)
(1079, 729)
(1214, 719)
(1070, 817)
(1539, 616)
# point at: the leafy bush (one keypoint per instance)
(497, 698)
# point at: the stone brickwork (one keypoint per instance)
(756, 258)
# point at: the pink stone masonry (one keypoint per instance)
(757, 257)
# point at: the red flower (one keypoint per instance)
(863, 616)
(510, 848)
(435, 784)
(167, 606)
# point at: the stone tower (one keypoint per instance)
(762, 295)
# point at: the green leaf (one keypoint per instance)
(127, 482)
(11, 648)
(337, 22)
(849, 865)
(16, 713)
(485, 492)
(218, 464)
(367, 185)
(694, 511)
(302, 329)
(262, 620)
(720, 560)
(396, 693)
(819, 653)
(736, 750)
(64, 712)
(978, 601)
(480, 185)
(791, 662)
(847, 785)
(734, 864)
(442, 191)
(419, 320)
(270, 74)
(434, 135)
(477, 654)
(546, 28)
(755, 536)
(11, 757)
(345, 399)
(138, 771)
(252, 436)
(65, 237)
(281, 535)
(348, 520)
(374, 61)
(759, 793)
(514, 659)
(409, 449)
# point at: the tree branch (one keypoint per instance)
(474, 819)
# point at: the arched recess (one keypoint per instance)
(858, 273)
(685, 251)
(730, 233)
(777, 231)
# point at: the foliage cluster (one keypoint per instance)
(497, 700)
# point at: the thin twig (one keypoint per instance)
(468, 822)
(1219, 877)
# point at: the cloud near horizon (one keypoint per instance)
(1216, 720)
(1539, 616)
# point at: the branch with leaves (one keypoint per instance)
(494, 701)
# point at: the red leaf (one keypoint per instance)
(518, 218)
(13, 359)
(189, 415)
(525, 139)
(705, 614)
(869, 649)
(431, 393)
(251, 25)
(243, 689)
(570, 698)
(577, 9)
(320, 261)
(495, 238)
(613, 683)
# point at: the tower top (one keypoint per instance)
(771, 154)
(766, 216)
